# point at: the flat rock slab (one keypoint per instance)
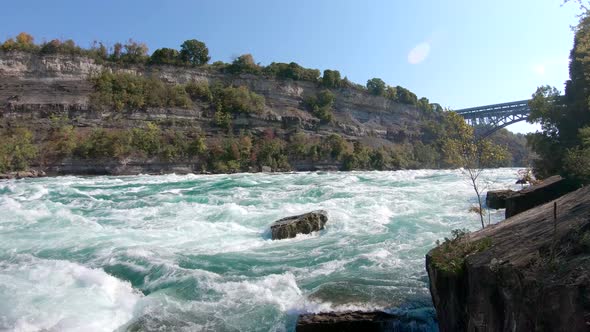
(377, 321)
(302, 224)
(496, 199)
(548, 190)
(373, 321)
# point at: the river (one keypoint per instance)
(193, 252)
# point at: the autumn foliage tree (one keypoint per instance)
(474, 155)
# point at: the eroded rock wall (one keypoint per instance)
(33, 87)
(534, 277)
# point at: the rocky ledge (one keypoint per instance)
(543, 192)
(352, 321)
(496, 199)
(530, 272)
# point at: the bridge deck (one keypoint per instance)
(504, 108)
(498, 115)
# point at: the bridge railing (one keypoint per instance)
(496, 108)
(496, 113)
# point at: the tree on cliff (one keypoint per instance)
(165, 56)
(194, 52)
(244, 64)
(563, 145)
(331, 79)
(24, 42)
(376, 86)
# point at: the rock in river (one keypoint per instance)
(302, 224)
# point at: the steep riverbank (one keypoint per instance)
(527, 273)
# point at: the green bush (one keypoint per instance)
(199, 90)
(223, 119)
(17, 150)
(244, 64)
(124, 91)
(321, 105)
(174, 145)
(146, 141)
(449, 257)
(424, 105)
(291, 71)
(270, 151)
(197, 146)
(331, 79)
(405, 96)
(238, 100)
(62, 139)
(165, 56)
(337, 146)
(103, 144)
(57, 46)
(376, 87)
(135, 52)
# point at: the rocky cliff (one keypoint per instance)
(32, 87)
(530, 272)
(36, 89)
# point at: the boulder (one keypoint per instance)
(496, 199)
(302, 224)
(530, 272)
(266, 169)
(548, 190)
(26, 174)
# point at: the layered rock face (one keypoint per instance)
(33, 87)
(535, 275)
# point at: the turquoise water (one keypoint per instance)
(193, 252)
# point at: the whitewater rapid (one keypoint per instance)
(193, 252)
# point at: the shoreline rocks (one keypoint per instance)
(373, 321)
(305, 223)
(533, 276)
(377, 321)
(22, 174)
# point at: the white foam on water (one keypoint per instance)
(211, 234)
(61, 296)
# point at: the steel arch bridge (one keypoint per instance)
(496, 116)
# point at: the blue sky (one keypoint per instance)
(459, 53)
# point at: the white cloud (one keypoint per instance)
(419, 53)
